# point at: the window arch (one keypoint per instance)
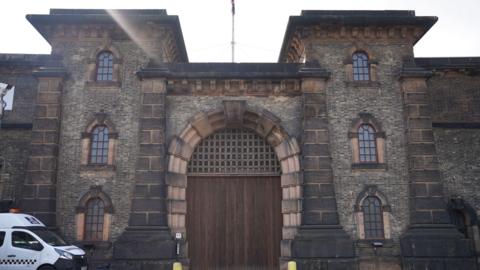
(93, 217)
(367, 142)
(361, 66)
(367, 146)
(105, 66)
(98, 142)
(372, 214)
(99, 145)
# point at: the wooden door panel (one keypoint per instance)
(234, 222)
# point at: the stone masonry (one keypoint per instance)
(308, 107)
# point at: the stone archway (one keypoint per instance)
(234, 115)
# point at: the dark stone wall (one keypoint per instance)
(15, 132)
(459, 159)
(14, 149)
(455, 97)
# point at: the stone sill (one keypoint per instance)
(107, 85)
(97, 170)
(363, 84)
(95, 167)
(369, 166)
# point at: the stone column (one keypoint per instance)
(431, 241)
(147, 242)
(39, 189)
(321, 242)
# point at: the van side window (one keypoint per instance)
(2, 238)
(25, 240)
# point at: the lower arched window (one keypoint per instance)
(94, 220)
(372, 214)
(94, 214)
(373, 218)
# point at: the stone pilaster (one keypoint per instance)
(321, 243)
(148, 216)
(431, 242)
(39, 189)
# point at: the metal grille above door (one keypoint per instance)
(234, 152)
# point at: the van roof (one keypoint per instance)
(10, 220)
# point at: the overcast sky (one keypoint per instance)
(260, 24)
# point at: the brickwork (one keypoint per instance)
(458, 153)
(81, 102)
(15, 148)
(453, 96)
(180, 109)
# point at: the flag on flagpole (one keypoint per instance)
(233, 7)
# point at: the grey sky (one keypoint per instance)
(260, 24)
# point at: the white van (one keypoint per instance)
(25, 243)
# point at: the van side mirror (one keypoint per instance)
(36, 246)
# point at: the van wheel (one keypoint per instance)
(46, 267)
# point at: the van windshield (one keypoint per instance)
(49, 237)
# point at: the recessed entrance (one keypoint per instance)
(234, 218)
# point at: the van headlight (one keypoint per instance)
(64, 254)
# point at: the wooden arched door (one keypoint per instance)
(234, 216)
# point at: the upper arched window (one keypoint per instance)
(94, 220)
(367, 148)
(372, 218)
(99, 145)
(361, 67)
(105, 66)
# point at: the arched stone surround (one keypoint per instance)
(234, 114)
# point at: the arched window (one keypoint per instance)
(105, 66)
(94, 215)
(94, 219)
(366, 143)
(99, 145)
(361, 67)
(373, 218)
(372, 214)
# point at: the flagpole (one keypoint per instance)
(233, 31)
